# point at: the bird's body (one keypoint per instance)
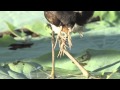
(67, 18)
(58, 18)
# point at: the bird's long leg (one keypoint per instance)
(85, 73)
(53, 57)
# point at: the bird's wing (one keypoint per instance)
(66, 17)
(61, 18)
(83, 18)
(52, 18)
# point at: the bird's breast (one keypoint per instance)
(65, 29)
(58, 29)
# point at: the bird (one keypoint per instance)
(63, 23)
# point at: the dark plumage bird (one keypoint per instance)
(63, 23)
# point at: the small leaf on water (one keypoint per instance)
(29, 68)
(16, 68)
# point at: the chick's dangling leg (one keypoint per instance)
(69, 38)
(62, 46)
(81, 31)
(78, 29)
(58, 36)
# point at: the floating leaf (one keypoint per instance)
(16, 68)
(12, 29)
(39, 28)
(15, 75)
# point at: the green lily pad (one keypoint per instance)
(39, 28)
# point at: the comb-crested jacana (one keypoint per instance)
(62, 23)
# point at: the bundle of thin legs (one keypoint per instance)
(64, 39)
